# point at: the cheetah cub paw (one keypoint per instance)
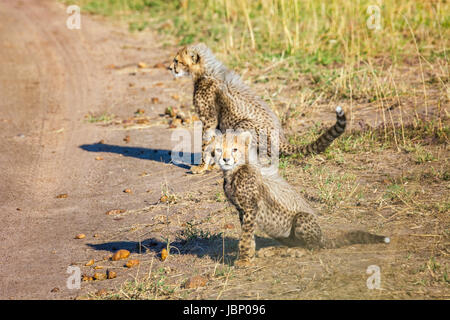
(200, 169)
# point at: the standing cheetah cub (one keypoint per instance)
(266, 200)
(223, 101)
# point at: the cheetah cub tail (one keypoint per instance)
(325, 140)
(355, 237)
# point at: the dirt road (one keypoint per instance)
(50, 78)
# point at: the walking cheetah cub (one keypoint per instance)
(222, 101)
(266, 200)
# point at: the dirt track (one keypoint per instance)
(51, 77)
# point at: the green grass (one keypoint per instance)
(191, 233)
(314, 32)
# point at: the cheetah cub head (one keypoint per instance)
(231, 150)
(188, 61)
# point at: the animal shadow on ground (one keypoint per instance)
(159, 155)
(214, 247)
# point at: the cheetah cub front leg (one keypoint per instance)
(247, 240)
(208, 143)
(206, 165)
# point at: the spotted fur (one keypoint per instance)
(223, 101)
(266, 200)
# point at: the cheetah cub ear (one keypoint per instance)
(195, 57)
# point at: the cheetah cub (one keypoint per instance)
(265, 199)
(223, 101)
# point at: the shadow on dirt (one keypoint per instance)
(212, 247)
(159, 155)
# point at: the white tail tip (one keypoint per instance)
(339, 110)
(387, 240)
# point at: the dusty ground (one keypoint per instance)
(64, 91)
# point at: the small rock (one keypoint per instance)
(142, 65)
(115, 211)
(228, 226)
(164, 254)
(120, 254)
(80, 236)
(132, 263)
(101, 292)
(127, 190)
(86, 278)
(99, 276)
(62, 196)
(90, 263)
(176, 122)
(142, 121)
(195, 282)
(111, 274)
(56, 289)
